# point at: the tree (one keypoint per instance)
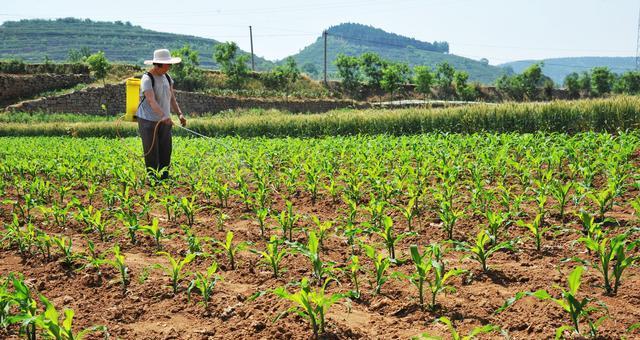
(460, 79)
(584, 83)
(511, 86)
(628, 82)
(99, 65)
(234, 66)
(349, 72)
(423, 78)
(393, 76)
(310, 69)
(444, 79)
(531, 79)
(186, 74)
(78, 56)
(282, 77)
(372, 67)
(572, 84)
(601, 80)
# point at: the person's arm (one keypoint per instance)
(176, 108)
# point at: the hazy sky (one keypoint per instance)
(499, 30)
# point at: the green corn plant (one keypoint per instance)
(193, 241)
(49, 321)
(118, 262)
(312, 179)
(354, 268)
(376, 209)
(312, 252)
(635, 204)
(5, 302)
(44, 242)
(169, 202)
(230, 249)
(93, 259)
(311, 304)
(321, 228)
(132, 225)
(352, 212)
(449, 216)
(154, 231)
(221, 218)
(222, 191)
(261, 215)
(189, 209)
(352, 232)
(332, 189)
(590, 228)
(273, 255)
(603, 200)
(431, 262)
(380, 264)
(65, 245)
(99, 225)
(409, 212)
(560, 192)
(569, 302)
(536, 229)
(26, 306)
(482, 249)
(390, 237)
(489, 328)
(287, 220)
(204, 283)
(495, 223)
(612, 258)
(174, 269)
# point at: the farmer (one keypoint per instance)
(157, 99)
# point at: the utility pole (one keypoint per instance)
(253, 65)
(324, 35)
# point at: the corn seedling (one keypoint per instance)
(449, 216)
(454, 333)
(354, 268)
(311, 304)
(496, 222)
(93, 259)
(321, 228)
(26, 306)
(603, 200)
(174, 269)
(569, 302)
(261, 215)
(154, 231)
(561, 194)
(612, 258)
(380, 264)
(230, 249)
(118, 263)
(65, 245)
(430, 269)
(536, 229)
(44, 242)
(287, 219)
(204, 283)
(273, 255)
(221, 217)
(189, 209)
(390, 237)
(482, 249)
(193, 242)
(49, 321)
(312, 252)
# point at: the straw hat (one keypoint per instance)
(162, 56)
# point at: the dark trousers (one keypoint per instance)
(157, 150)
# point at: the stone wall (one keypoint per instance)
(90, 101)
(13, 86)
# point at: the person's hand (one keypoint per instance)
(183, 121)
(167, 121)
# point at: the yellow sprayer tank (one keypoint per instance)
(133, 99)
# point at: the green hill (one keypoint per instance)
(355, 39)
(33, 40)
(558, 68)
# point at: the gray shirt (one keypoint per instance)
(163, 98)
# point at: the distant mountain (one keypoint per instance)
(33, 40)
(558, 68)
(355, 39)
